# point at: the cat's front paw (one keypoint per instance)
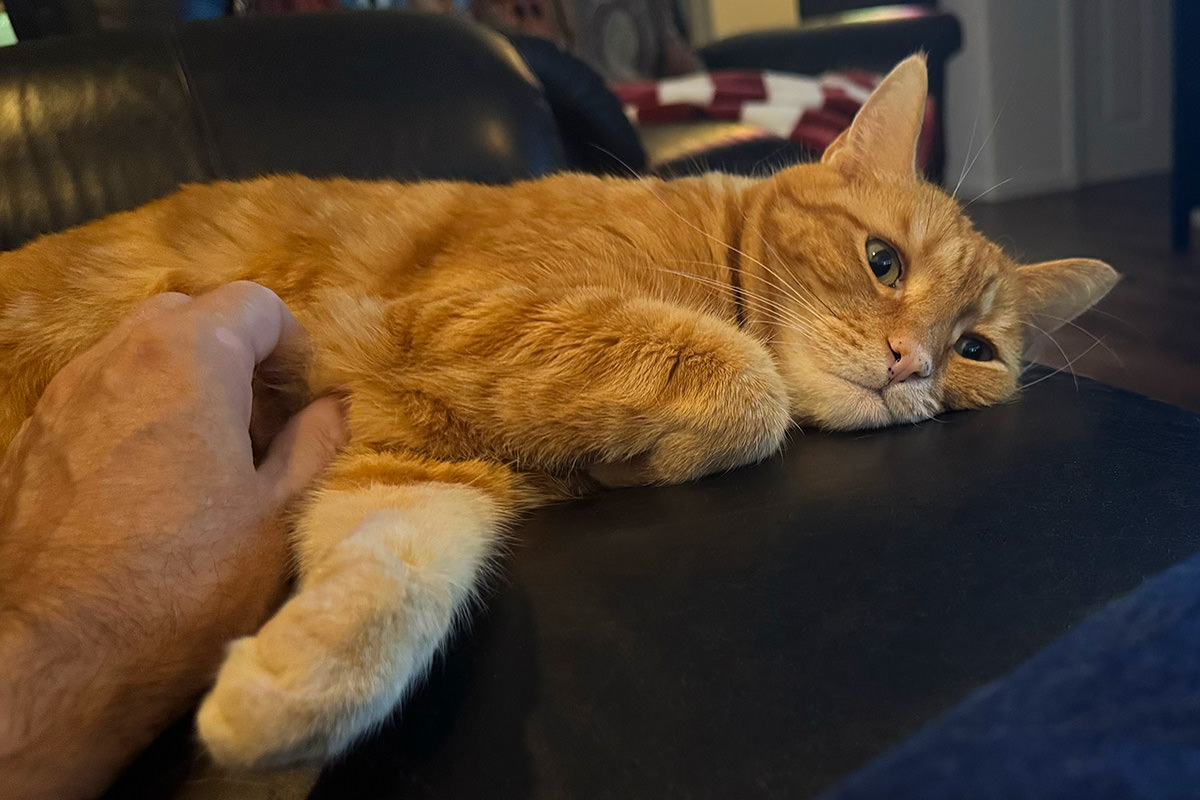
(721, 422)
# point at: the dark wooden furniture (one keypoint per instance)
(1186, 182)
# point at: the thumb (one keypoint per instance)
(304, 448)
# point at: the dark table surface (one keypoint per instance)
(765, 632)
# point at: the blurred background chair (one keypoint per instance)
(578, 48)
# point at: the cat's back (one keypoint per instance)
(300, 236)
(306, 239)
(303, 238)
(269, 229)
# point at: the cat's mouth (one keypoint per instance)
(860, 405)
(890, 403)
(877, 390)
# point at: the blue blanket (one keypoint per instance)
(1111, 710)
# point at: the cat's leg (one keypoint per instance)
(634, 389)
(390, 551)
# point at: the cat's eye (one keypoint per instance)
(974, 348)
(884, 261)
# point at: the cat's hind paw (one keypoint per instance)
(332, 663)
(252, 720)
(338, 657)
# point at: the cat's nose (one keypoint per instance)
(911, 361)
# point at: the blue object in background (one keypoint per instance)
(202, 9)
(210, 9)
(461, 5)
(1111, 711)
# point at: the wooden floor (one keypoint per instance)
(1145, 335)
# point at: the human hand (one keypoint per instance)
(137, 536)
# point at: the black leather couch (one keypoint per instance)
(757, 634)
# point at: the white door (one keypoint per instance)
(1123, 88)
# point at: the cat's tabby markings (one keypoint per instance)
(504, 345)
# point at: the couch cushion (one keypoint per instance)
(367, 95)
(91, 125)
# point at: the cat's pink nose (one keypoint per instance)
(911, 361)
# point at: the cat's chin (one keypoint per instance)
(839, 403)
(909, 403)
(833, 402)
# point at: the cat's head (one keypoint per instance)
(881, 301)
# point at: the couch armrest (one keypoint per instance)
(844, 41)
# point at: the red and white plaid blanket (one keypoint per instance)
(811, 111)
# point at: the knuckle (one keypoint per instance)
(247, 293)
(153, 307)
(153, 339)
(222, 347)
(163, 346)
(331, 437)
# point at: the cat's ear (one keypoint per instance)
(883, 137)
(1055, 292)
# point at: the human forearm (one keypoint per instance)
(75, 710)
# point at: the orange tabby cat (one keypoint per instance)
(498, 343)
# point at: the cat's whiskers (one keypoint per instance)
(970, 143)
(985, 192)
(744, 292)
(718, 240)
(778, 314)
(645, 183)
(729, 245)
(789, 288)
(1098, 340)
(815, 296)
(984, 144)
(772, 313)
(1054, 341)
(1067, 366)
(1121, 320)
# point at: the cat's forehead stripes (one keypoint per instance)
(987, 298)
(917, 221)
(825, 208)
